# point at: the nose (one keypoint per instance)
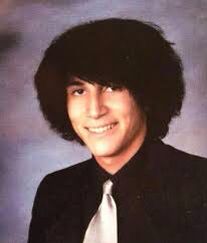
(96, 106)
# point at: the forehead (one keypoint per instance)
(77, 81)
(74, 80)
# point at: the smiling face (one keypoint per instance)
(107, 120)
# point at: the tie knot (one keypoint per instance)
(107, 187)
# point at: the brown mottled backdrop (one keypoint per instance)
(28, 149)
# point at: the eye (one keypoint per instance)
(112, 88)
(78, 92)
(109, 89)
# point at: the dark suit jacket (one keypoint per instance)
(175, 200)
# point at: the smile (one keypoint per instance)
(101, 129)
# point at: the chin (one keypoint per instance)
(103, 151)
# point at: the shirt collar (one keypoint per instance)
(131, 171)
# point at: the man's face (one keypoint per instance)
(107, 120)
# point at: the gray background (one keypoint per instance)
(28, 149)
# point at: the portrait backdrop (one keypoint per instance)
(28, 148)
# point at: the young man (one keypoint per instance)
(114, 85)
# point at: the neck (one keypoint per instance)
(114, 163)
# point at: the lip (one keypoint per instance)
(100, 126)
(102, 129)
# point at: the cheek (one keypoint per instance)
(73, 117)
(129, 110)
(69, 111)
(133, 116)
(74, 110)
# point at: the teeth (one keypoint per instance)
(101, 129)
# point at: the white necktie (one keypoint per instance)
(103, 226)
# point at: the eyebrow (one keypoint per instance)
(75, 83)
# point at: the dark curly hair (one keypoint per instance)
(124, 52)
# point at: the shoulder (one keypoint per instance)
(60, 184)
(184, 176)
(177, 160)
(60, 188)
(70, 176)
(183, 186)
(178, 168)
(57, 192)
(166, 149)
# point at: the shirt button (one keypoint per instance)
(205, 204)
(188, 211)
